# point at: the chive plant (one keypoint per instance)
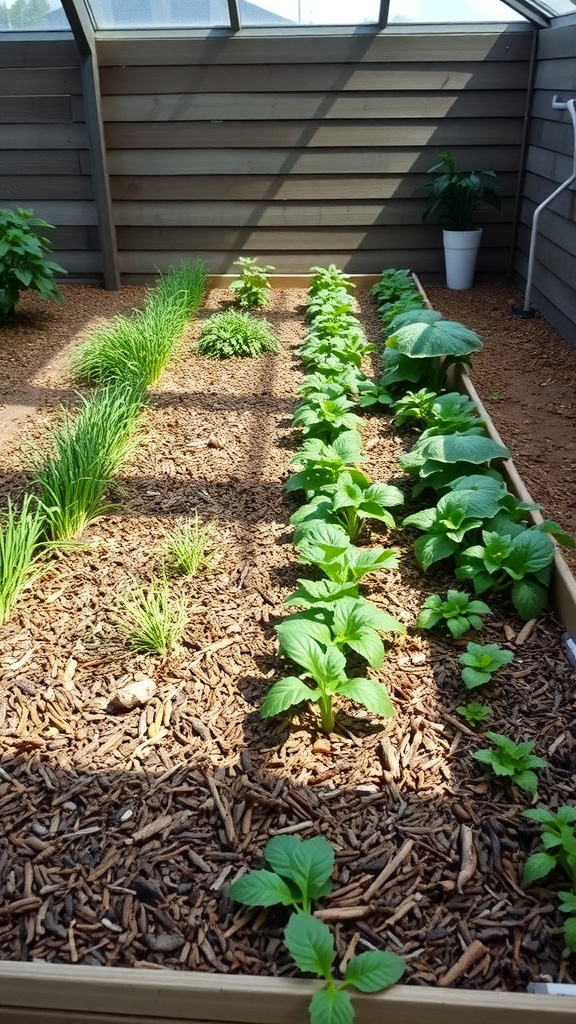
(87, 449)
(20, 534)
(152, 619)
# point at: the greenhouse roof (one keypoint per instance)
(129, 15)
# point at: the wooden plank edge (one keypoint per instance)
(136, 996)
(563, 588)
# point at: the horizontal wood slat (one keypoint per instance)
(554, 166)
(564, 323)
(34, 109)
(275, 214)
(556, 136)
(555, 74)
(44, 81)
(449, 76)
(79, 262)
(244, 106)
(542, 106)
(505, 45)
(35, 188)
(43, 136)
(270, 188)
(555, 251)
(559, 294)
(555, 43)
(35, 53)
(311, 134)
(64, 212)
(538, 189)
(40, 161)
(288, 161)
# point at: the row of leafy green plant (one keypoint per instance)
(71, 477)
(476, 525)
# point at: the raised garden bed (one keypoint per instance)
(124, 830)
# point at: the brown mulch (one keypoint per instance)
(123, 830)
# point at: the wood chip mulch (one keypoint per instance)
(122, 830)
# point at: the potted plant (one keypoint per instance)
(456, 195)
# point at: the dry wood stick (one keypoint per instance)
(389, 870)
(222, 811)
(471, 954)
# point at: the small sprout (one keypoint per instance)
(480, 663)
(559, 842)
(514, 761)
(252, 287)
(458, 612)
(151, 619)
(474, 713)
(568, 906)
(301, 873)
(190, 548)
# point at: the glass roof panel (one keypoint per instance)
(32, 16)
(456, 11)
(309, 12)
(119, 14)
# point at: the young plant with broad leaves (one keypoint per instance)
(422, 346)
(299, 874)
(458, 612)
(326, 417)
(474, 713)
(329, 279)
(480, 662)
(320, 464)
(350, 503)
(311, 946)
(439, 460)
(514, 762)
(567, 905)
(329, 548)
(558, 831)
(251, 289)
(23, 260)
(322, 680)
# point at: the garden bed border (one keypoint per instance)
(47, 993)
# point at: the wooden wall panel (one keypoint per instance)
(42, 134)
(549, 162)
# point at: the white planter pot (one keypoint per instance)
(460, 251)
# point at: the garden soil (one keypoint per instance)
(123, 828)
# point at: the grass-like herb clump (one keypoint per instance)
(151, 619)
(20, 531)
(190, 548)
(139, 346)
(87, 449)
(236, 333)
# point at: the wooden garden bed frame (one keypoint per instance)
(43, 993)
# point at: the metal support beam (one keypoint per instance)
(234, 15)
(83, 30)
(383, 16)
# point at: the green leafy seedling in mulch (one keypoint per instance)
(151, 619)
(480, 662)
(450, 413)
(567, 905)
(324, 678)
(337, 302)
(190, 548)
(512, 761)
(235, 332)
(23, 262)
(559, 842)
(439, 460)
(328, 279)
(459, 613)
(474, 713)
(20, 545)
(251, 289)
(329, 548)
(320, 464)
(349, 503)
(326, 418)
(301, 873)
(311, 946)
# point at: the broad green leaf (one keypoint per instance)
(348, 447)
(441, 338)
(261, 889)
(527, 781)
(384, 494)
(539, 865)
(374, 971)
(283, 694)
(567, 902)
(312, 592)
(367, 643)
(310, 944)
(531, 551)
(278, 853)
(300, 647)
(370, 693)
(328, 667)
(312, 863)
(432, 548)
(529, 598)
(291, 630)
(570, 934)
(331, 1006)
(472, 678)
(365, 560)
(461, 448)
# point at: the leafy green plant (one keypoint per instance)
(329, 548)
(480, 662)
(414, 407)
(394, 286)
(568, 906)
(456, 195)
(251, 289)
(236, 333)
(151, 619)
(335, 302)
(301, 874)
(512, 761)
(345, 621)
(459, 613)
(190, 548)
(439, 460)
(20, 537)
(325, 674)
(138, 347)
(23, 262)
(422, 349)
(326, 418)
(321, 464)
(445, 526)
(311, 946)
(327, 279)
(559, 842)
(86, 450)
(473, 712)
(351, 503)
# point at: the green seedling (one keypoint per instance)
(20, 536)
(369, 394)
(328, 279)
(459, 613)
(474, 713)
(422, 346)
(480, 663)
(441, 459)
(323, 679)
(320, 464)
(445, 526)
(311, 946)
(351, 503)
(329, 548)
(327, 418)
(512, 761)
(301, 874)
(190, 548)
(151, 619)
(558, 840)
(568, 906)
(394, 286)
(345, 621)
(414, 407)
(336, 302)
(236, 333)
(252, 287)
(23, 262)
